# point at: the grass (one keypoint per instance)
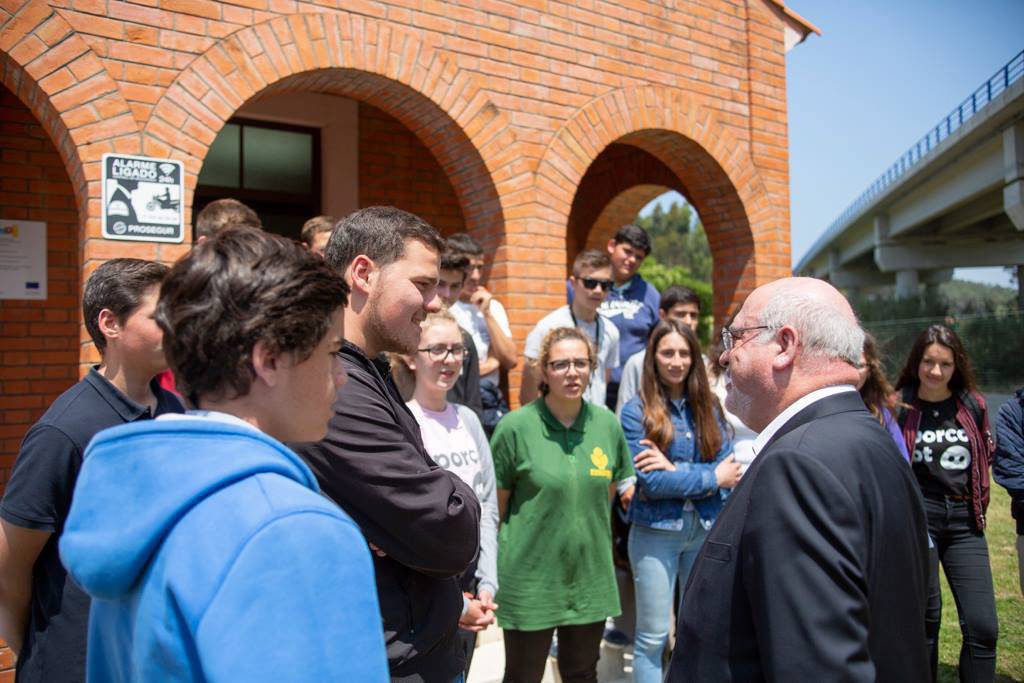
(1002, 539)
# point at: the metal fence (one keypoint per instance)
(995, 344)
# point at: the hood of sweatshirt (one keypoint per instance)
(137, 481)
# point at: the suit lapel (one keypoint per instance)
(844, 402)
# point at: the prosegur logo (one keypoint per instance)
(10, 230)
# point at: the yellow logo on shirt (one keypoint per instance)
(600, 460)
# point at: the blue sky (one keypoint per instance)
(880, 75)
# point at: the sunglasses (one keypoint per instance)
(593, 283)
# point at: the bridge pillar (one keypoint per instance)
(1013, 158)
(908, 284)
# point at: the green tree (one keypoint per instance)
(985, 317)
(679, 239)
(662, 276)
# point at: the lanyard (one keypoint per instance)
(597, 329)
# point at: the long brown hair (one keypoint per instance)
(876, 392)
(654, 396)
(963, 374)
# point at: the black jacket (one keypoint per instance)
(1009, 464)
(467, 388)
(425, 519)
(816, 568)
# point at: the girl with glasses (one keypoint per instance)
(454, 438)
(681, 445)
(557, 461)
(946, 431)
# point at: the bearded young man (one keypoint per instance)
(422, 521)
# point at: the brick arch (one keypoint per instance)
(746, 232)
(618, 183)
(622, 209)
(367, 59)
(55, 73)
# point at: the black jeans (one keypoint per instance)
(579, 647)
(963, 552)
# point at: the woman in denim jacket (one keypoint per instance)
(679, 440)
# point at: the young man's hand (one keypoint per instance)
(481, 298)
(476, 617)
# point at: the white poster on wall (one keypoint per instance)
(22, 259)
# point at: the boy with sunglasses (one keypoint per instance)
(590, 283)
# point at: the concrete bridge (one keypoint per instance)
(953, 200)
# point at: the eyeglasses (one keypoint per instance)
(562, 366)
(731, 336)
(439, 352)
(593, 283)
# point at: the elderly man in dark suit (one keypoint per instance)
(816, 568)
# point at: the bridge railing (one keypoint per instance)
(993, 87)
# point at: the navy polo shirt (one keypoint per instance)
(38, 496)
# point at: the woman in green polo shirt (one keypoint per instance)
(556, 462)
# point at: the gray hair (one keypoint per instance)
(825, 332)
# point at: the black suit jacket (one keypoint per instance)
(816, 568)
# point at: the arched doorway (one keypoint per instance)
(288, 58)
(624, 148)
(39, 337)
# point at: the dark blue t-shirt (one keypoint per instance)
(38, 496)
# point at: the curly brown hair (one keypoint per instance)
(553, 337)
(239, 287)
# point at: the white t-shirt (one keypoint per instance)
(456, 442)
(607, 353)
(472, 320)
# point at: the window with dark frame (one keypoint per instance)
(274, 168)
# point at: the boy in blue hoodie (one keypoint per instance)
(203, 541)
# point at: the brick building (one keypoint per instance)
(539, 126)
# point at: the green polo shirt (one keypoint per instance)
(555, 547)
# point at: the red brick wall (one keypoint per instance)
(39, 340)
(619, 182)
(514, 100)
(397, 169)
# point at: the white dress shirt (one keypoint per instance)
(775, 425)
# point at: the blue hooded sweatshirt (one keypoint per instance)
(210, 556)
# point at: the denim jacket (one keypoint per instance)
(661, 496)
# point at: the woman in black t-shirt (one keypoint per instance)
(947, 434)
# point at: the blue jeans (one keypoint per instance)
(659, 558)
